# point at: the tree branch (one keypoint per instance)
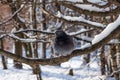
(33, 30)
(61, 59)
(28, 40)
(81, 32)
(75, 8)
(77, 22)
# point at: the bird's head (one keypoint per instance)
(60, 33)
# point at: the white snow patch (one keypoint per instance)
(92, 8)
(54, 72)
(80, 31)
(74, 1)
(85, 46)
(100, 2)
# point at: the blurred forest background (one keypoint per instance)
(27, 29)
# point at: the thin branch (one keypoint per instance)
(33, 30)
(116, 2)
(2, 36)
(114, 72)
(80, 32)
(14, 14)
(85, 39)
(28, 40)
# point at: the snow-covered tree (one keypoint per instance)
(30, 26)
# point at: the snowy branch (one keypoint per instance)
(80, 32)
(85, 39)
(87, 12)
(32, 40)
(76, 20)
(28, 40)
(106, 31)
(34, 30)
(79, 19)
(2, 36)
(57, 60)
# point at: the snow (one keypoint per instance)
(92, 8)
(74, 1)
(80, 18)
(114, 41)
(80, 31)
(100, 2)
(85, 46)
(86, 38)
(25, 40)
(81, 72)
(106, 31)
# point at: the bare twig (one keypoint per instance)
(28, 40)
(14, 14)
(34, 30)
(114, 72)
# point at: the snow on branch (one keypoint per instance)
(79, 19)
(96, 3)
(74, 1)
(28, 40)
(75, 20)
(84, 38)
(34, 30)
(81, 32)
(88, 12)
(99, 2)
(106, 31)
(57, 60)
(2, 36)
(92, 8)
(91, 5)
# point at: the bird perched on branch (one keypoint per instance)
(63, 44)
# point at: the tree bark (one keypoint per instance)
(113, 61)
(18, 51)
(103, 61)
(3, 57)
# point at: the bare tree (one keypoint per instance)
(36, 21)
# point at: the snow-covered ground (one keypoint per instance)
(81, 71)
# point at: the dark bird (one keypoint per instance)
(63, 44)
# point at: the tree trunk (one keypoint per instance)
(43, 27)
(18, 51)
(113, 61)
(28, 49)
(36, 68)
(71, 72)
(37, 71)
(103, 61)
(3, 57)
